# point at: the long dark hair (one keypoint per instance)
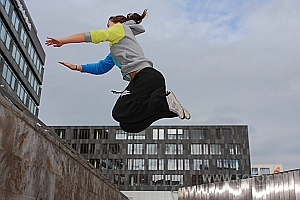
(131, 16)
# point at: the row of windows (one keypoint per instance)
(23, 36)
(13, 81)
(4, 35)
(263, 170)
(144, 180)
(6, 5)
(152, 149)
(168, 179)
(19, 59)
(157, 134)
(159, 164)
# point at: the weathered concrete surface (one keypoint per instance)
(35, 164)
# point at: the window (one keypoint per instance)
(183, 134)
(103, 163)
(114, 148)
(234, 164)
(264, 170)
(75, 133)
(172, 164)
(167, 179)
(231, 149)
(22, 94)
(92, 150)
(180, 164)
(133, 180)
(199, 134)
(152, 164)
(160, 164)
(100, 134)
(6, 5)
(115, 164)
(180, 149)
(143, 180)
(225, 164)
(5, 37)
(186, 164)
(196, 149)
(172, 134)
(23, 36)
(218, 134)
(205, 149)
(206, 164)
(171, 149)
(155, 164)
(219, 164)
(197, 164)
(205, 134)
(158, 134)
(136, 136)
(84, 148)
(122, 179)
(121, 135)
(226, 134)
(118, 164)
(135, 164)
(15, 21)
(9, 76)
(238, 149)
(61, 133)
(136, 149)
(116, 179)
(215, 149)
(255, 171)
(74, 146)
(95, 163)
(157, 180)
(177, 180)
(104, 149)
(151, 149)
(84, 134)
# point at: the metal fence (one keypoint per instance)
(284, 185)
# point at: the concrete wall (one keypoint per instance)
(35, 164)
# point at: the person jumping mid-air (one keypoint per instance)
(145, 99)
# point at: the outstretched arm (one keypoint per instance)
(100, 67)
(58, 42)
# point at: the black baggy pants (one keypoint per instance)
(142, 102)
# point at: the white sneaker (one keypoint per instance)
(174, 104)
(186, 113)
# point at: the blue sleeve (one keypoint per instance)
(100, 67)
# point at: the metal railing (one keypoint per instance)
(283, 185)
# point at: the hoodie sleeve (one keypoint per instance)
(100, 67)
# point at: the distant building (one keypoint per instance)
(21, 55)
(163, 158)
(262, 169)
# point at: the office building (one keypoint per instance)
(163, 158)
(22, 57)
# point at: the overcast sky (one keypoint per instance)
(228, 62)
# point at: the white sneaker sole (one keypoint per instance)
(174, 105)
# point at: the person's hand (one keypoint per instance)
(69, 65)
(55, 42)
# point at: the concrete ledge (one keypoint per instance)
(36, 164)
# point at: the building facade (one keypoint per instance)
(22, 57)
(163, 158)
(265, 169)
